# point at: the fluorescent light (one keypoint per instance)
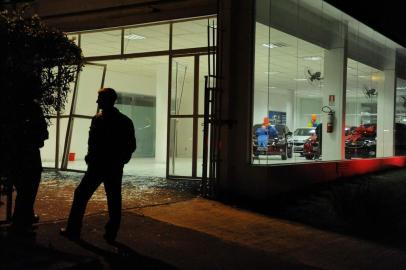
(272, 72)
(300, 79)
(271, 87)
(401, 88)
(270, 45)
(134, 37)
(312, 58)
(363, 76)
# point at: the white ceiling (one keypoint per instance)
(279, 70)
(285, 68)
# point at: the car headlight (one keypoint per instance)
(370, 142)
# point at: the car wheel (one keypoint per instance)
(309, 157)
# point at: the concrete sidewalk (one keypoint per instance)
(203, 234)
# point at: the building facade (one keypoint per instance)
(331, 88)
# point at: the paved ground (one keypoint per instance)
(189, 232)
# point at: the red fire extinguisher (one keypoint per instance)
(330, 118)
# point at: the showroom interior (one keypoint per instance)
(319, 60)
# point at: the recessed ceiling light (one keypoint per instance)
(274, 45)
(271, 87)
(363, 76)
(401, 88)
(312, 58)
(270, 45)
(134, 37)
(300, 79)
(272, 72)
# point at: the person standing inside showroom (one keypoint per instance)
(110, 146)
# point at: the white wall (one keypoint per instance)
(308, 106)
(278, 101)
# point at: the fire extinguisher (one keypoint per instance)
(330, 118)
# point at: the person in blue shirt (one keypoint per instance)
(262, 136)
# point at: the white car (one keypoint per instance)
(300, 136)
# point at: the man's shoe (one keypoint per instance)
(68, 234)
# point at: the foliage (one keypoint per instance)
(36, 62)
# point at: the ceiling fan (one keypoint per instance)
(313, 77)
(370, 92)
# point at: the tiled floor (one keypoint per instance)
(144, 167)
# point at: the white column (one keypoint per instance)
(386, 113)
(161, 112)
(334, 85)
(289, 111)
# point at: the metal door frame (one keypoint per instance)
(195, 116)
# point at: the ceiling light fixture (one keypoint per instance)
(270, 45)
(312, 58)
(401, 88)
(134, 37)
(272, 72)
(300, 79)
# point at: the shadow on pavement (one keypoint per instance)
(19, 252)
(125, 257)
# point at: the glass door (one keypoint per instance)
(83, 108)
(186, 117)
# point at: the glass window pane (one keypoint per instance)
(49, 149)
(101, 43)
(200, 149)
(78, 147)
(181, 147)
(182, 86)
(361, 110)
(191, 34)
(288, 87)
(146, 39)
(400, 118)
(90, 80)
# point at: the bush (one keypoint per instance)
(36, 63)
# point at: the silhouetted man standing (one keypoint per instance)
(25, 135)
(110, 146)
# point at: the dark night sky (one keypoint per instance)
(387, 17)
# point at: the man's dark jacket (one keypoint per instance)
(111, 139)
